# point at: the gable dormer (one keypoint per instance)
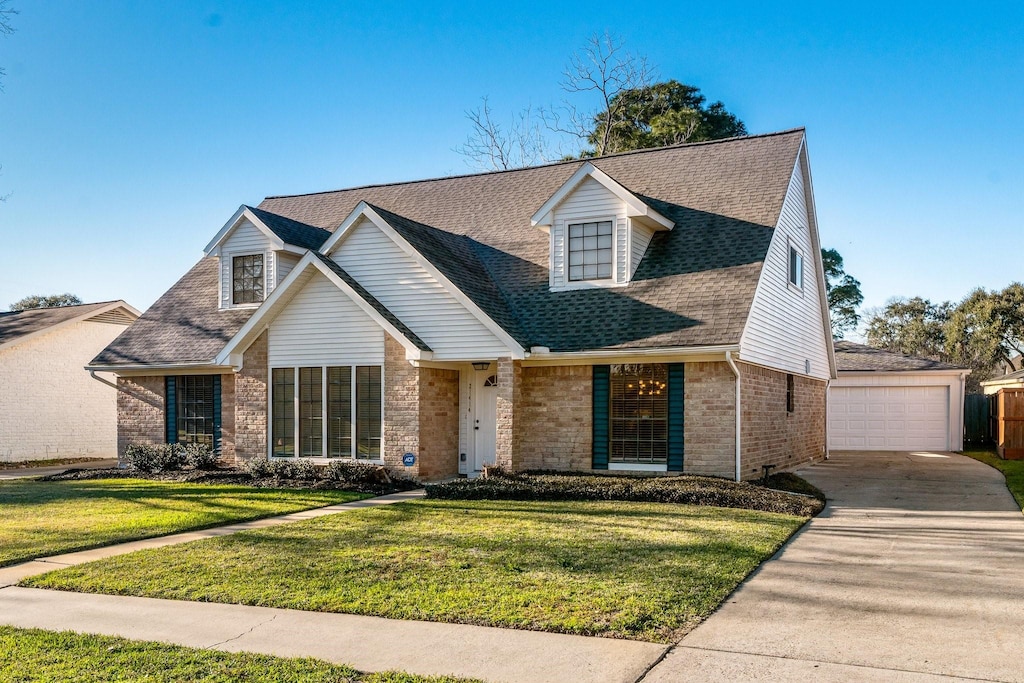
(599, 231)
(254, 258)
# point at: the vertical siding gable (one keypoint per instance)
(321, 325)
(415, 296)
(784, 327)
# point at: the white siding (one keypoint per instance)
(245, 239)
(589, 201)
(785, 326)
(321, 325)
(415, 296)
(49, 406)
(621, 251)
(641, 240)
(285, 263)
(465, 416)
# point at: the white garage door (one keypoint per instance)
(888, 418)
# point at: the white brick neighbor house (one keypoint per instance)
(49, 408)
(659, 311)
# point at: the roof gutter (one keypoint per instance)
(199, 365)
(736, 371)
(92, 373)
(541, 353)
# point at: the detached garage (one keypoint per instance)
(884, 401)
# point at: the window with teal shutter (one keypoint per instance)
(601, 412)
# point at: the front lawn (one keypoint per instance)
(40, 518)
(48, 462)
(50, 657)
(1013, 470)
(647, 571)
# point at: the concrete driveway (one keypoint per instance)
(914, 572)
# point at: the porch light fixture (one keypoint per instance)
(481, 365)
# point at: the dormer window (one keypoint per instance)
(247, 279)
(590, 251)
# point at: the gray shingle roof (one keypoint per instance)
(15, 324)
(185, 325)
(852, 357)
(1019, 374)
(291, 231)
(694, 286)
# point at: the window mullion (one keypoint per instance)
(323, 412)
(353, 410)
(298, 413)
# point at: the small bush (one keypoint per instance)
(302, 470)
(155, 457)
(357, 473)
(199, 456)
(688, 490)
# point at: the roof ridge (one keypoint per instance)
(738, 138)
(50, 308)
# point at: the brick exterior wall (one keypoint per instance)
(709, 411)
(770, 434)
(400, 431)
(556, 418)
(250, 403)
(507, 451)
(227, 419)
(140, 412)
(439, 423)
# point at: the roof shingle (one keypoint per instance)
(852, 357)
(15, 324)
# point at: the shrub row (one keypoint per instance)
(170, 457)
(347, 472)
(687, 490)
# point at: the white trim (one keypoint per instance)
(364, 210)
(213, 248)
(635, 207)
(256, 322)
(739, 421)
(84, 317)
(819, 266)
(636, 467)
(691, 354)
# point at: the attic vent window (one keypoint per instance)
(590, 251)
(796, 268)
(247, 279)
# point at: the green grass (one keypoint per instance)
(66, 657)
(40, 518)
(1013, 470)
(647, 571)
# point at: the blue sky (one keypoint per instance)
(130, 131)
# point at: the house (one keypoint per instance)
(49, 408)
(1009, 380)
(885, 401)
(654, 311)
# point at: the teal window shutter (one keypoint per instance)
(601, 413)
(676, 431)
(216, 413)
(171, 409)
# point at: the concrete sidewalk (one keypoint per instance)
(15, 573)
(29, 472)
(366, 643)
(912, 573)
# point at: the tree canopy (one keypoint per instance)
(41, 301)
(661, 114)
(844, 295)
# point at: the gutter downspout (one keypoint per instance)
(736, 371)
(92, 373)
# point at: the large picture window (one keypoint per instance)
(638, 414)
(590, 251)
(247, 279)
(330, 412)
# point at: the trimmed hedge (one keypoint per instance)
(169, 457)
(687, 490)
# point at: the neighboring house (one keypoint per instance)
(1010, 380)
(654, 311)
(885, 401)
(49, 406)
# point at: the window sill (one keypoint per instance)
(587, 284)
(636, 467)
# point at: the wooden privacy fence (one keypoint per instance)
(1009, 423)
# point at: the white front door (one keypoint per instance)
(485, 411)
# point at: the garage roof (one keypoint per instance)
(852, 357)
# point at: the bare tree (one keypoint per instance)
(6, 28)
(604, 68)
(492, 147)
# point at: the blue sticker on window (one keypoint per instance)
(408, 459)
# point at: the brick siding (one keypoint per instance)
(250, 402)
(556, 418)
(709, 419)
(507, 449)
(770, 434)
(439, 423)
(227, 419)
(140, 412)
(401, 408)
